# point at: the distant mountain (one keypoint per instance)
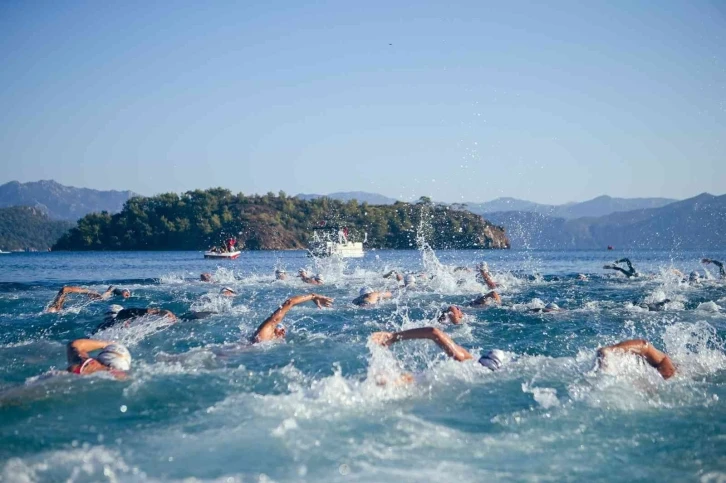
(695, 223)
(600, 206)
(361, 196)
(61, 202)
(25, 227)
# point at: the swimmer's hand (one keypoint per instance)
(383, 338)
(706, 261)
(322, 301)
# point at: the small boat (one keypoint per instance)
(226, 255)
(4, 253)
(325, 246)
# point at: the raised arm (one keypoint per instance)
(431, 333)
(484, 272)
(721, 269)
(266, 331)
(655, 358)
(60, 299)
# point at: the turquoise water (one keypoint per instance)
(203, 404)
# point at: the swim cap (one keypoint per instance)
(694, 276)
(409, 280)
(280, 270)
(122, 291)
(492, 359)
(365, 291)
(114, 309)
(318, 277)
(552, 306)
(115, 356)
(227, 289)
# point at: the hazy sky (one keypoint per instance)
(460, 101)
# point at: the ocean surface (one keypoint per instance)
(201, 404)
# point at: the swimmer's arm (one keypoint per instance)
(655, 358)
(431, 333)
(266, 331)
(163, 313)
(487, 278)
(384, 295)
(77, 350)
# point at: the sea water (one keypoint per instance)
(201, 404)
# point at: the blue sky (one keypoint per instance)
(460, 101)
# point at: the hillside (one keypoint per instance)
(59, 201)
(600, 206)
(25, 227)
(198, 219)
(695, 223)
(360, 196)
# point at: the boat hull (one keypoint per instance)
(222, 256)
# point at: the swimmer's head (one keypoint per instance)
(582, 277)
(550, 307)
(318, 278)
(122, 292)
(115, 356)
(205, 277)
(365, 291)
(452, 314)
(484, 266)
(492, 359)
(280, 274)
(409, 280)
(280, 331)
(227, 292)
(694, 277)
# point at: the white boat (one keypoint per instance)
(4, 253)
(227, 255)
(323, 245)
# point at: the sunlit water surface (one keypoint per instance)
(203, 404)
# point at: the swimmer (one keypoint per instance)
(272, 327)
(581, 277)
(492, 360)
(721, 270)
(113, 358)
(653, 307)
(486, 276)
(280, 274)
(394, 273)
(487, 300)
(314, 280)
(367, 296)
(117, 314)
(227, 292)
(205, 277)
(655, 358)
(630, 272)
(550, 307)
(452, 314)
(60, 299)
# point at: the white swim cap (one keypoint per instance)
(280, 270)
(492, 359)
(227, 289)
(552, 306)
(114, 309)
(409, 280)
(365, 291)
(115, 356)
